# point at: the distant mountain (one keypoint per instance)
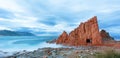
(14, 33)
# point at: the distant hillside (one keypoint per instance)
(14, 33)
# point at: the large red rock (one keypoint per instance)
(86, 33)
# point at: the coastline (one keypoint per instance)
(60, 52)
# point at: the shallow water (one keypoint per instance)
(18, 43)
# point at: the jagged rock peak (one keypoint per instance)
(86, 33)
(105, 36)
(64, 32)
(62, 38)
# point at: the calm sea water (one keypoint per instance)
(17, 43)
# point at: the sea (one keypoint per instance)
(29, 43)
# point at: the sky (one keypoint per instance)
(52, 17)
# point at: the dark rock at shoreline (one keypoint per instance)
(51, 41)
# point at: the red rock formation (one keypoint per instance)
(86, 33)
(63, 38)
(107, 39)
(105, 36)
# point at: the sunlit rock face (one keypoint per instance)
(63, 38)
(86, 33)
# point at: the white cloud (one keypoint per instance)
(28, 13)
(11, 5)
(4, 28)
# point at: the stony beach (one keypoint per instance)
(63, 52)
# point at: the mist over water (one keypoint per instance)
(29, 43)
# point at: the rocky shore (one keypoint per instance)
(68, 52)
(85, 41)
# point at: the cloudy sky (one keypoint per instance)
(51, 17)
